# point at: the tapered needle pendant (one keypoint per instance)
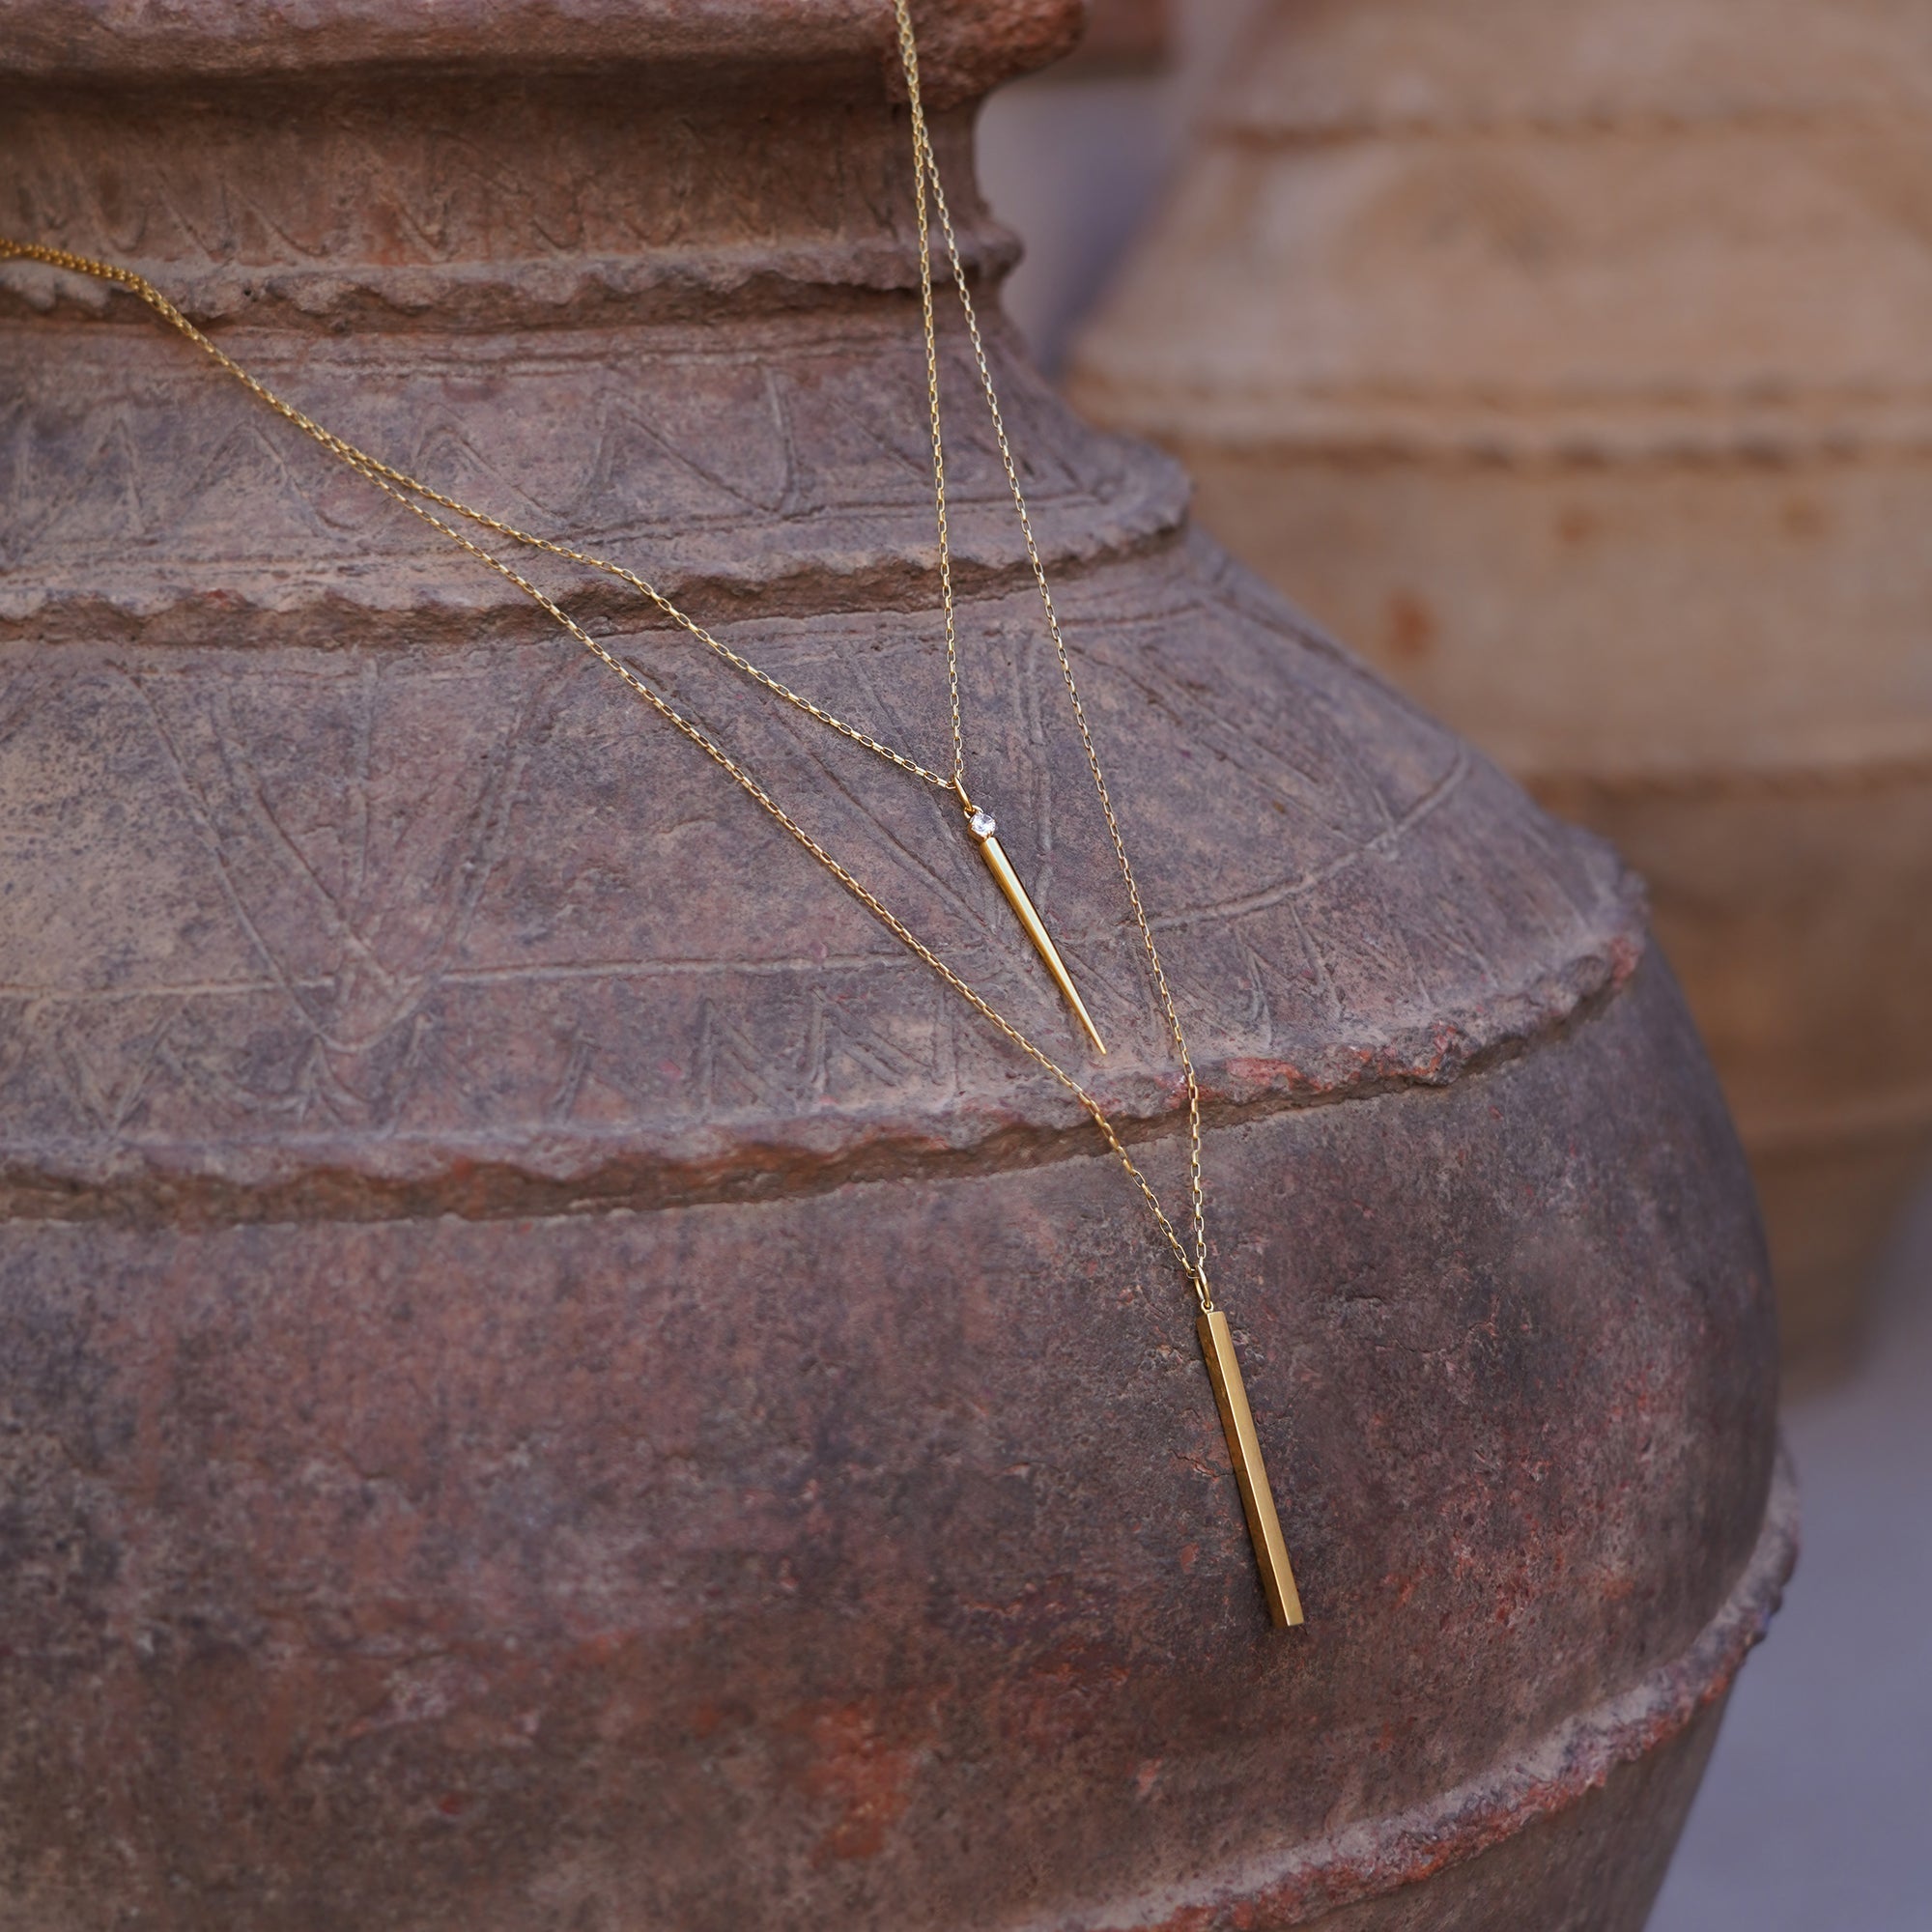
(1245, 1447)
(985, 835)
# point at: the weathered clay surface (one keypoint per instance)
(548, 1377)
(1586, 391)
(964, 50)
(871, 1553)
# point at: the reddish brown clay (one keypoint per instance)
(551, 1379)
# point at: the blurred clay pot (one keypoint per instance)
(552, 1378)
(1572, 364)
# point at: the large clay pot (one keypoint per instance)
(1583, 389)
(552, 1379)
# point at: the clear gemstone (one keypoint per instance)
(981, 825)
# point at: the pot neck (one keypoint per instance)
(490, 199)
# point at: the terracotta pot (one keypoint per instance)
(552, 1377)
(1583, 390)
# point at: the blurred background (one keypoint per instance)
(1575, 366)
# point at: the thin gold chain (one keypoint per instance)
(925, 169)
(412, 495)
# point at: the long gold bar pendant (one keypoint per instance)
(1245, 1447)
(985, 835)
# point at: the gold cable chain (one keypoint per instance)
(925, 166)
(404, 489)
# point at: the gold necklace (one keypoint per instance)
(1211, 1327)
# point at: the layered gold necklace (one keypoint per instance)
(981, 826)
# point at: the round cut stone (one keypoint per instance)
(981, 825)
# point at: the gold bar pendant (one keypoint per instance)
(1245, 1447)
(985, 835)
